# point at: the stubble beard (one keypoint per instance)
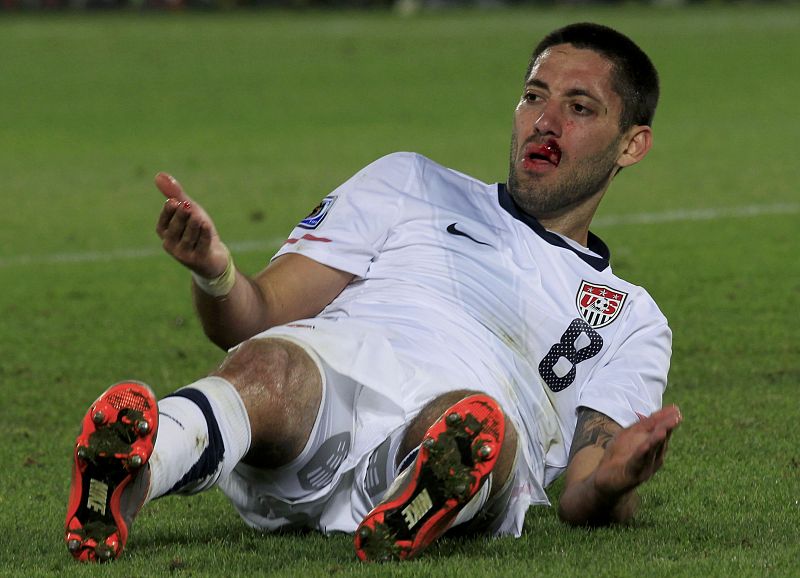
(541, 199)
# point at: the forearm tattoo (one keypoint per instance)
(593, 429)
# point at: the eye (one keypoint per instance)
(582, 110)
(531, 97)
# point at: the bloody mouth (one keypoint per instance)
(537, 153)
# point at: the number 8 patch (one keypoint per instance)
(558, 368)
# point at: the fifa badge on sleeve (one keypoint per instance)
(313, 220)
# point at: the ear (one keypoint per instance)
(639, 139)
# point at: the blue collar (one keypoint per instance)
(595, 243)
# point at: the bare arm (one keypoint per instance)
(292, 287)
(607, 463)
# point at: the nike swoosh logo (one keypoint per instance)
(451, 228)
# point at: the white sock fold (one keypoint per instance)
(203, 432)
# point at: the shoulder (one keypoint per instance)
(641, 305)
(422, 166)
(628, 318)
(416, 176)
(393, 164)
(388, 175)
(395, 171)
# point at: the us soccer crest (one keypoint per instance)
(599, 305)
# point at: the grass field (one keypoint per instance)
(260, 115)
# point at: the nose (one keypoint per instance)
(549, 120)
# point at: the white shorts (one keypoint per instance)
(369, 396)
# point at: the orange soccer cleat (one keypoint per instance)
(454, 461)
(109, 471)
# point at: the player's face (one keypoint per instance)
(566, 140)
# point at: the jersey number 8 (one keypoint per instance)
(578, 343)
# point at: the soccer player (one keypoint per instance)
(425, 352)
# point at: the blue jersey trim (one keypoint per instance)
(595, 243)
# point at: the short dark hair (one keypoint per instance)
(635, 78)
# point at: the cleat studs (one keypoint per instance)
(460, 489)
(83, 452)
(142, 427)
(99, 418)
(135, 461)
(453, 419)
(364, 532)
(104, 552)
(428, 443)
(73, 545)
(485, 451)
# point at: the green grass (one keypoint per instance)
(260, 115)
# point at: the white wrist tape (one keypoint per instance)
(219, 286)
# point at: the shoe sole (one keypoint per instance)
(116, 441)
(455, 459)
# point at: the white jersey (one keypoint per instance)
(466, 286)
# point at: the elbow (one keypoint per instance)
(219, 338)
(579, 519)
(230, 335)
(571, 515)
(597, 513)
(567, 516)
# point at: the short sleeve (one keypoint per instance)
(634, 379)
(348, 228)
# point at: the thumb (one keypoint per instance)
(170, 187)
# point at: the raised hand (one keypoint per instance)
(636, 452)
(187, 232)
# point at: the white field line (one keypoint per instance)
(127, 254)
(711, 214)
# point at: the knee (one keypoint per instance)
(256, 363)
(281, 388)
(432, 411)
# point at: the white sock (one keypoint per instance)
(203, 432)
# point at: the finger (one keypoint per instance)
(668, 417)
(191, 234)
(671, 419)
(164, 218)
(204, 239)
(177, 225)
(662, 452)
(170, 187)
(659, 460)
(645, 423)
(643, 453)
(671, 413)
(678, 416)
(645, 465)
(659, 449)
